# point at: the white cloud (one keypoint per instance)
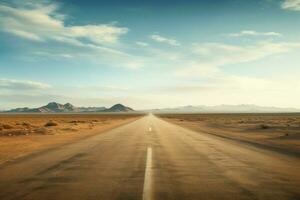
(11, 84)
(42, 22)
(254, 33)
(165, 40)
(291, 5)
(25, 34)
(206, 60)
(143, 44)
(98, 34)
(53, 55)
(220, 54)
(203, 66)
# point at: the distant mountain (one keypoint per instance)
(51, 107)
(91, 109)
(25, 109)
(54, 107)
(244, 108)
(119, 108)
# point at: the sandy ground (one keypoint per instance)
(280, 131)
(151, 158)
(24, 134)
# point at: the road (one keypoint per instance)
(152, 159)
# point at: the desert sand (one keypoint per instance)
(280, 132)
(23, 134)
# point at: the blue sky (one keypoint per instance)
(150, 54)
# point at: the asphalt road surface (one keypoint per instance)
(152, 159)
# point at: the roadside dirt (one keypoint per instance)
(21, 135)
(278, 131)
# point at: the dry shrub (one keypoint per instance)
(25, 124)
(41, 131)
(69, 129)
(6, 126)
(51, 123)
(264, 126)
(77, 121)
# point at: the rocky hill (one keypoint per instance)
(119, 108)
(54, 107)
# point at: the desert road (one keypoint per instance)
(152, 159)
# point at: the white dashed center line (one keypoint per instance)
(148, 176)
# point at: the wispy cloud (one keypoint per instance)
(11, 84)
(291, 5)
(254, 33)
(205, 60)
(169, 41)
(143, 44)
(53, 55)
(220, 54)
(42, 22)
